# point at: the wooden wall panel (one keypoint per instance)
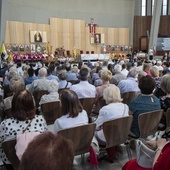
(67, 33)
(79, 35)
(123, 36)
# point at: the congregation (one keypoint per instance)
(105, 82)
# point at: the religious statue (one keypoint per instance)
(60, 52)
(74, 52)
(49, 48)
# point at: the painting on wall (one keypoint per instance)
(15, 48)
(38, 37)
(27, 48)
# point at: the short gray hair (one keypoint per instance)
(117, 68)
(42, 72)
(133, 72)
(62, 75)
(165, 83)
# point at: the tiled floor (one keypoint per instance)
(103, 165)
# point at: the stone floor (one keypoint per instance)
(117, 164)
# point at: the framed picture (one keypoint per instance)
(15, 48)
(43, 48)
(38, 37)
(38, 48)
(27, 48)
(21, 48)
(32, 46)
(97, 38)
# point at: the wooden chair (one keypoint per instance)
(81, 136)
(127, 97)
(8, 113)
(148, 123)
(9, 149)
(102, 102)
(51, 111)
(7, 91)
(37, 96)
(167, 114)
(116, 132)
(87, 104)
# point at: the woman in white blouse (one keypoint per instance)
(71, 110)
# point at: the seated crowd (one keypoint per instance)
(69, 84)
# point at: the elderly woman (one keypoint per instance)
(145, 102)
(71, 110)
(106, 75)
(53, 93)
(23, 112)
(63, 83)
(16, 84)
(113, 110)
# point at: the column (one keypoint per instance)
(3, 11)
(155, 24)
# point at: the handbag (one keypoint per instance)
(22, 141)
(144, 155)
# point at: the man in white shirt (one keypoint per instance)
(41, 83)
(84, 89)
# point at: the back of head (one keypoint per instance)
(42, 72)
(154, 71)
(165, 83)
(83, 74)
(133, 72)
(62, 75)
(16, 84)
(23, 105)
(106, 75)
(48, 151)
(70, 103)
(147, 84)
(112, 94)
(30, 72)
(12, 74)
(105, 63)
(117, 68)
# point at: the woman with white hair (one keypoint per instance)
(53, 93)
(113, 110)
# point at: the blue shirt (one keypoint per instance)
(142, 104)
(128, 85)
(29, 80)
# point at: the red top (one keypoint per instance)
(162, 163)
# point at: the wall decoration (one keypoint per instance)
(38, 37)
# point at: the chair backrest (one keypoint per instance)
(37, 96)
(8, 113)
(116, 131)
(167, 114)
(128, 96)
(102, 102)
(10, 152)
(51, 111)
(148, 123)
(87, 104)
(81, 136)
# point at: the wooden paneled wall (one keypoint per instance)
(68, 33)
(143, 23)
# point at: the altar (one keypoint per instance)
(86, 57)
